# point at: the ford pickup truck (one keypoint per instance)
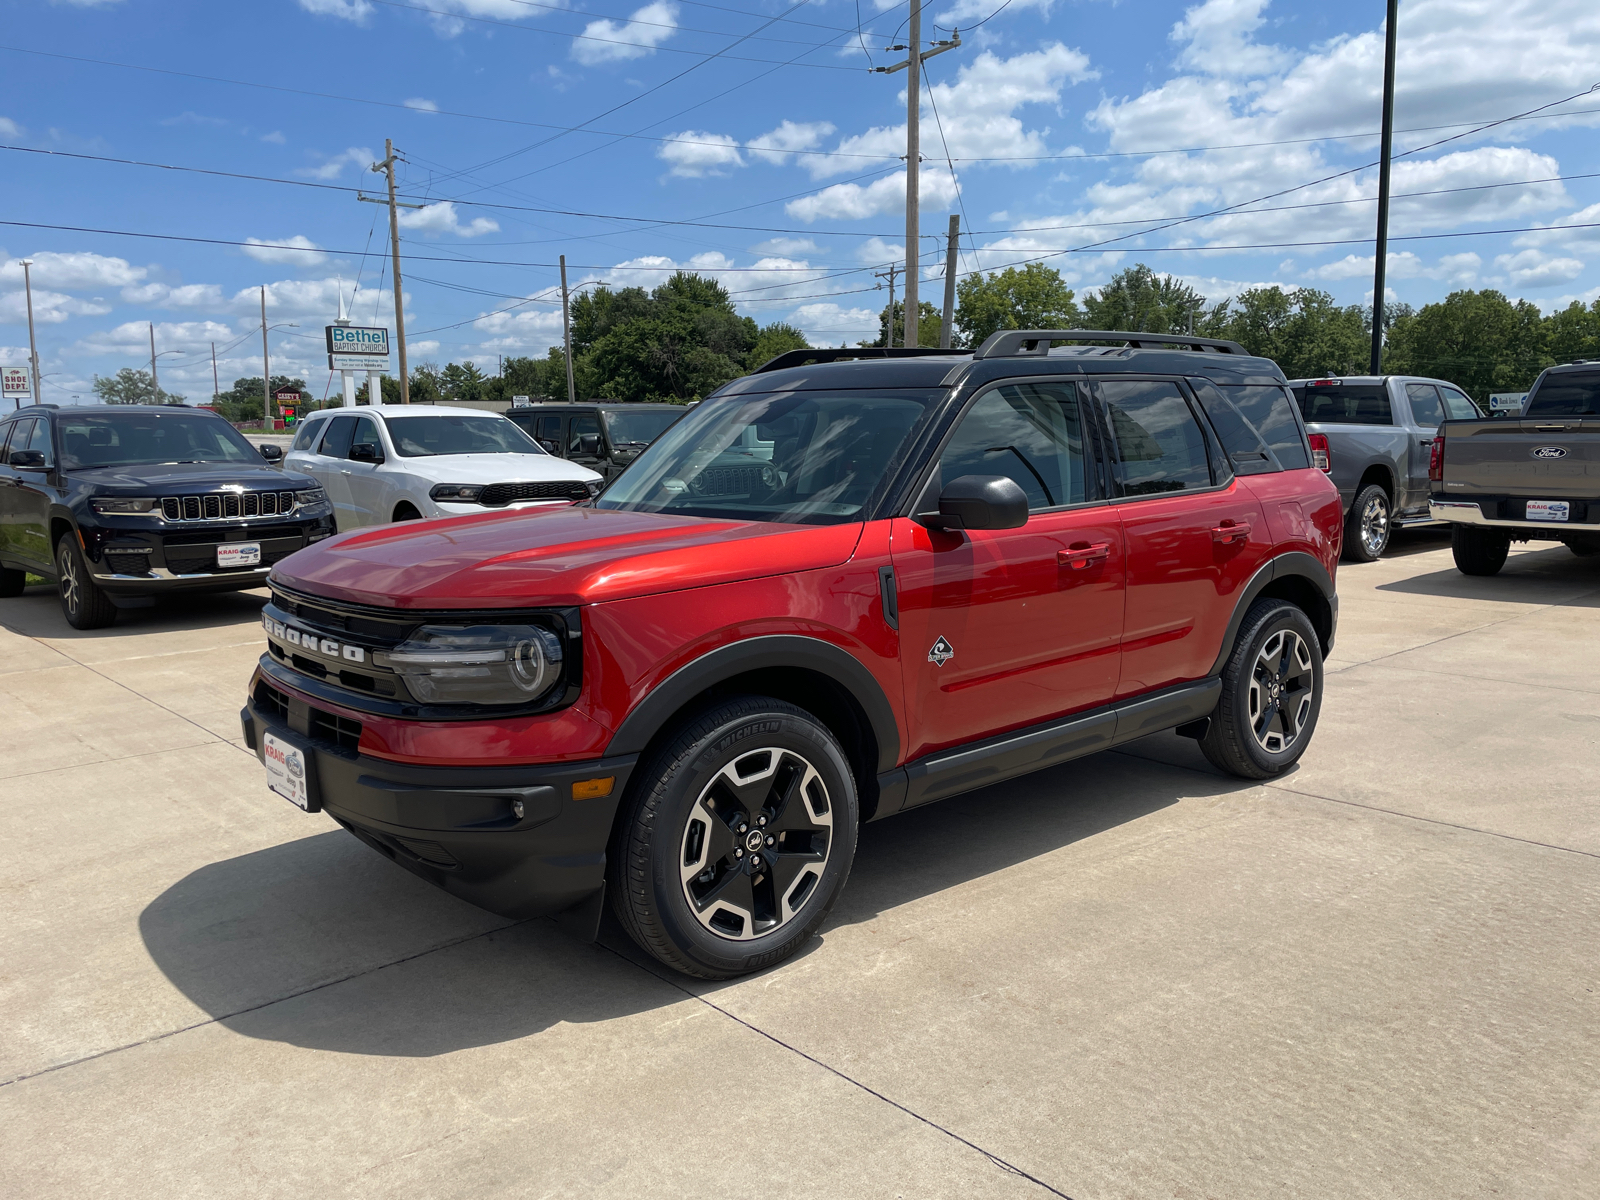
(1530, 478)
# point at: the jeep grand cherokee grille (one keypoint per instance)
(226, 504)
(556, 489)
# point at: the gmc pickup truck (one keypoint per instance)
(1530, 478)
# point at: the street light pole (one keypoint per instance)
(566, 333)
(266, 367)
(1381, 260)
(33, 346)
(154, 380)
(950, 281)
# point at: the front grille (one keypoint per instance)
(223, 505)
(125, 562)
(200, 558)
(431, 853)
(728, 481)
(556, 489)
(341, 731)
(270, 700)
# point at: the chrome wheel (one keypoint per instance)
(71, 586)
(1375, 526)
(1281, 687)
(756, 844)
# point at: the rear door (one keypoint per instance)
(1005, 628)
(1427, 414)
(365, 484)
(330, 469)
(1194, 534)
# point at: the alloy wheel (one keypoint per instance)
(1281, 691)
(1375, 526)
(71, 586)
(756, 844)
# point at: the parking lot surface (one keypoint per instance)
(1129, 976)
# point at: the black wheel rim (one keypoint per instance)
(756, 844)
(1282, 686)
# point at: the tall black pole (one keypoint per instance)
(1383, 189)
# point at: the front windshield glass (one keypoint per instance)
(639, 429)
(418, 437)
(147, 436)
(812, 458)
(1574, 395)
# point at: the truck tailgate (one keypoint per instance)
(1554, 457)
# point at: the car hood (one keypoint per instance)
(491, 468)
(560, 556)
(169, 479)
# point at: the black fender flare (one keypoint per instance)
(1294, 563)
(755, 654)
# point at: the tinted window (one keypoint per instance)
(337, 443)
(634, 429)
(549, 430)
(149, 436)
(18, 437)
(815, 458)
(1574, 395)
(1425, 407)
(1458, 405)
(1344, 404)
(308, 434)
(39, 440)
(417, 437)
(1159, 446)
(587, 424)
(1030, 432)
(366, 431)
(1269, 410)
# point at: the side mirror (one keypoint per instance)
(589, 445)
(550, 446)
(271, 452)
(27, 460)
(979, 502)
(366, 452)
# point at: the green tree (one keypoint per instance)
(773, 340)
(461, 381)
(1033, 297)
(242, 402)
(1302, 330)
(1480, 341)
(130, 386)
(1573, 333)
(1139, 300)
(929, 324)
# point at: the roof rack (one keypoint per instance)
(1010, 342)
(799, 358)
(31, 407)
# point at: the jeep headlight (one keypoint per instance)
(479, 664)
(111, 506)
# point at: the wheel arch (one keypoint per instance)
(1381, 473)
(820, 677)
(1301, 580)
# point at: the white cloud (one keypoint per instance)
(275, 137)
(778, 144)
(693, 154)
(73, 270)
(348, 10)
(189, 295)
(829, 324)
(1535, 268)
(1569, 239)
(421, 105)
(441, 218)
(87, 3)
(612, 41)
(875, 250)
(9, 128)
(855, 201)
(1216, 39)
(787, 247)
(298, 249)
(49, 308)
(133, 338)
(1457, 269)
(965, 12)
(333, 165)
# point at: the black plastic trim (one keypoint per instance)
(1295, 562)
(889, 596)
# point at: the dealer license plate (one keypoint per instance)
(288, 771)
(239, 554)
(1548, 510)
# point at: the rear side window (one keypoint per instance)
(337, 443)
(1344, 403)
(309, 432)
(1425, 407)
(1268, 410)
(1574, 395)
(1159, 446)
(548, 432)
(1029, 432)
(366, 432)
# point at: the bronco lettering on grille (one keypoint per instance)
(310, 641)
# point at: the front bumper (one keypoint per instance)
(1470, 512)
(455, 826)
(132, 557)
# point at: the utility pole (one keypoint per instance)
(1381, 261)
(566, 333)
(266, 367)
(888, 336)
(157, 382)
(33, 346)
(387, 167)
(913, 68)
(216, 386)
(950, 281)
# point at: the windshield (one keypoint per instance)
(1574, 395)
(149, 436)
(1344, 403)
(639, 428)
(417, 437)
(812, 458)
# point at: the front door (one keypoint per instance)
(1005, 628)
(25, 498)
(582, 426)
(1195, 536)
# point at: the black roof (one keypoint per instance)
(45, 409)
(570, 405)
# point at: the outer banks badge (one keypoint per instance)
(941, 653)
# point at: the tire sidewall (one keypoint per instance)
(71, 567)
(1355, 548)
(1284, 616)
(684, 781)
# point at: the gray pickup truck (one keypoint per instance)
(1535, 477)
(1379, 431)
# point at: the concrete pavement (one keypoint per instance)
(1128, 977)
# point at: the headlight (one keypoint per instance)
(459, 493)
(311, 498)
(481, 664)
(107, 506)
(595, 486)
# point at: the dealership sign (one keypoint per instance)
(14, 382)
(357, 348)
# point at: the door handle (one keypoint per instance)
(1230, 530)
(1081, 555)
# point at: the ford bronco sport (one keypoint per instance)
(683, 697)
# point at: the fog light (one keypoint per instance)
(593, 789)
(517, 810)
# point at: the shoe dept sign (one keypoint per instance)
(357, 348)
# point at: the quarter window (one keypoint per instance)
(1270, 410)
(1029, 432)
(1159, 446)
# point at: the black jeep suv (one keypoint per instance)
(123, 503)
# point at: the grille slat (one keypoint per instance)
(222, 506)
(497, 494)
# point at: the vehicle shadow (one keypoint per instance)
(1419, 540)
(37, 613)
(1553, 576)
(321, 943)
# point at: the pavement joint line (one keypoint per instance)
(101, 762)
(316, 987)
(994, 1159)
(1549, 687)
(164, 654)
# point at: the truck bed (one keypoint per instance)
(1497, 467)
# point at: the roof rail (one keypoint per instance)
(798, 358)
(31, 407)
(1010, 342)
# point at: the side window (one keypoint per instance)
(40, 440)
(1458, 405)
(5, 438)
(1029, 432)
(309, 432)
(1425, 408)
(19, 436)
(548, 431)
(1271, 411)
(366, 430)
(1159, 446)
(337, 443)
(588, 423)
(1247, 452)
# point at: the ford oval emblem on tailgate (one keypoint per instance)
(1549, 451)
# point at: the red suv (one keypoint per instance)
(834, 591)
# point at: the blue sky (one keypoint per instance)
(747, 139)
